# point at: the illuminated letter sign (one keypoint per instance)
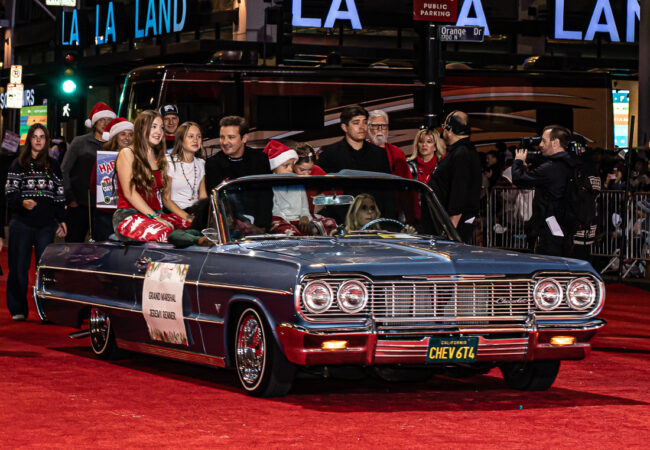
(159, 21)
(335, 13)
(602, 11)
(602, 7)
(109, 29)
(73, 36)
(479, 20)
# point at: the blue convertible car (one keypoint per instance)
(353, 270)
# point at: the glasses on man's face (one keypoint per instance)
(379, 126)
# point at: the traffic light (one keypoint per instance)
(69, 80)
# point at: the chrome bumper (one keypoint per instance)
(495, 344)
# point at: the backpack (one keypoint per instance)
(579, 202)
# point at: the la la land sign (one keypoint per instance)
(150, 18)
(472, 13)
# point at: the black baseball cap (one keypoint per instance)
(168, 109)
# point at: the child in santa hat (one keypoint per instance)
(291, 213)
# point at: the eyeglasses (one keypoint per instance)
(379, 126)
(38, 138)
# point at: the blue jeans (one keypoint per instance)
(21, 240)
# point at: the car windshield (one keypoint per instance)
(291, 206)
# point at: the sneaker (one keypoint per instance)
(18, 317)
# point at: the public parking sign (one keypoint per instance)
(450, 33)
(435, 10)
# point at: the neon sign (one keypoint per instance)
(602, 21)
(151, 18)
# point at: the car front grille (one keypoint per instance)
(445, 300)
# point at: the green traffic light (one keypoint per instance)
(69, 86)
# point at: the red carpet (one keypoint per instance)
(54, 393)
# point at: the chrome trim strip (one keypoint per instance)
(83, 302)
(172, 353)
(191, 282)
(216, 320)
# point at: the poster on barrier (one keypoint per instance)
(106, 188)
(162, 302)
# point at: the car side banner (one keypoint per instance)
(105, 188)
(162, 302)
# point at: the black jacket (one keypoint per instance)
(339, 155)
(549, 180)
(221, 167)
(457, 179)
(78, 164)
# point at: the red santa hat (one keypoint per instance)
(99, 111)
(115, 127)
(279, 153)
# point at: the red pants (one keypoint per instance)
(141, 228)
(322, 225)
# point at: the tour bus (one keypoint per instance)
(303, 104)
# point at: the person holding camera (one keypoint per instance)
(456, 180)
(549, 179)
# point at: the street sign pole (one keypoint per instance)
(433, 69)
(433, 12)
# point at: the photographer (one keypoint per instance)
(549, 179)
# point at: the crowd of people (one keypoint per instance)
(162, 180)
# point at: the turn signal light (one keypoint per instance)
(334, 345)
(563, 340)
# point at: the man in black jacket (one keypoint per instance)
(549, 179)
(236, 160)
(456, 180)
(354, 151)
(77, 167)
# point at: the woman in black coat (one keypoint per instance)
(35, 196)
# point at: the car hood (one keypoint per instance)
(383, 256)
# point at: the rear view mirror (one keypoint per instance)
(327, 200)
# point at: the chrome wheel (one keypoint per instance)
(262, 368)
(102, 340)
(250, 349)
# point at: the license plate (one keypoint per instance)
(443, 350)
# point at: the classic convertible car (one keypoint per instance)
(316, 274)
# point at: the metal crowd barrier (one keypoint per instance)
(509, 208)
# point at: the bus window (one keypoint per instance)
(202, 102)
(142, 95)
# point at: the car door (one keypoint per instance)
(166, 253)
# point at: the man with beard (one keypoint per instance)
(236, 160)
(354, 151)
(457, 178)
(378, 135)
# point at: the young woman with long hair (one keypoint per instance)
(141, 180)
(186, 171)
(35, 195)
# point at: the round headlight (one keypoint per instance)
(547, 294)
(317, 297)
(581, 294)
(352, 297)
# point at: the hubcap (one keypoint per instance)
(250, 349)
(99, 325)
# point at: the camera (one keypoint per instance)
(529, 142)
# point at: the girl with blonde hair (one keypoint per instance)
(428, 149)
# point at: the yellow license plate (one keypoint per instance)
(444, 350)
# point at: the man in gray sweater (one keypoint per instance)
(78, 164)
